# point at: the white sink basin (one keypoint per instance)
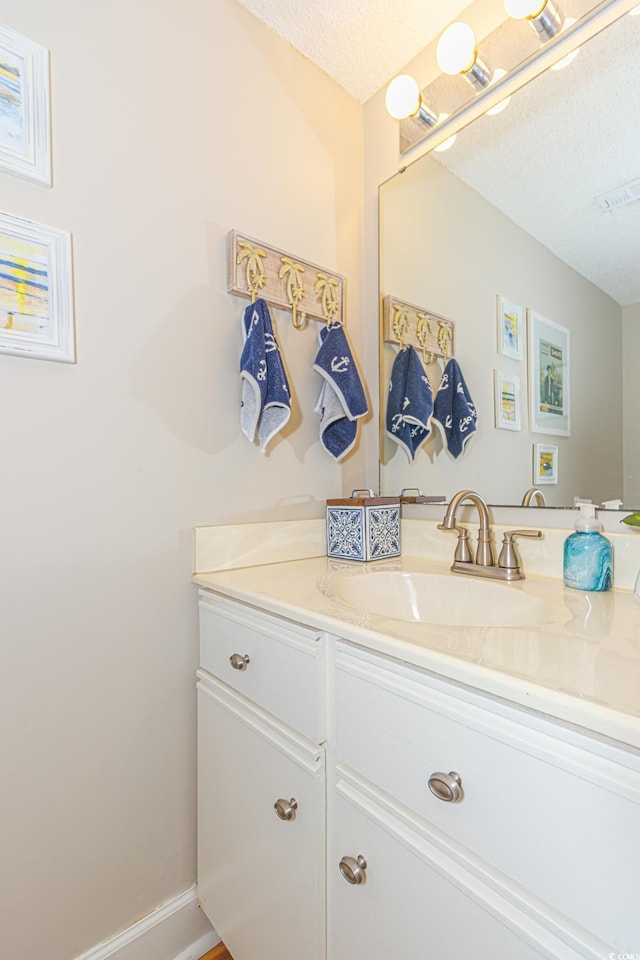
(440, 599)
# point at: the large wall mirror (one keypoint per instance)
(512, 211)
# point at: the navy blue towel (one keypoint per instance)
(265, 406)
(342, 399)
(409, 403)
(454, 411)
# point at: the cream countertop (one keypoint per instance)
(582, 665)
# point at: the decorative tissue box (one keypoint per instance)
(363, 527)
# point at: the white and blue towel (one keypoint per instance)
(342, 399)
(265, 406)
(454, 412)
(409, 403)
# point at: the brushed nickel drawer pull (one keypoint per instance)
(353, 869)
(239, 662)
(286, 809)
(446, 786)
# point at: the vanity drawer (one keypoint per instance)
(561, 821)
(279, 664)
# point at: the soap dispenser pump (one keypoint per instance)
(588, 555)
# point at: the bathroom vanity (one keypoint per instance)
(375, 787)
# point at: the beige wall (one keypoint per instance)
(446, 248)
(172, 124)
(631, 403)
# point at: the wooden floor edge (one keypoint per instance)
(217, 953)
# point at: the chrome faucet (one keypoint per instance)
(533, 494)
(509, 565)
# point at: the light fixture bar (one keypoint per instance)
(548, 23)
(425, 115)
(479, 74)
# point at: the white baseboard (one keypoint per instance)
(178, 930)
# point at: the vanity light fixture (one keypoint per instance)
(403, 100)
(498, 74)
(457, 53)
(445, 143)
(570, 57)
(545, 18)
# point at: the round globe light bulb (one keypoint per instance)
(456, 52)
(520, 9)
(402, 98)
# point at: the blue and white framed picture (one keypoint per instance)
(25, 147)
(545, 463)
(507, 400)
(511, 328)
(549, 376)
(36, 295)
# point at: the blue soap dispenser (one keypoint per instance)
(588, 555)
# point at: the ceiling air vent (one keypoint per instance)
(621, 195)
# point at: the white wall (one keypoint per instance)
(631, 402)
(172, 124)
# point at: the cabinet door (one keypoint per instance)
(260, 878)
(413, 903)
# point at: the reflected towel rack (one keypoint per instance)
(256, 269)
(403, 324)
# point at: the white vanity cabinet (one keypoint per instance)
(261, 783)
(479, 822)
(456, 824)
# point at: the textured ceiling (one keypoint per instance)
(360, 43)
(566, 138)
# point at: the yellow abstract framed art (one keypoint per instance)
(36, 298)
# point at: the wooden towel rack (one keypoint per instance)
(256, 269)
(404, 323)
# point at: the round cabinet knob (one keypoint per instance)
(238, 661)
(353, 869)
(446, 786)
(286, 809)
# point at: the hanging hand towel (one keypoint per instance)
(410, 402)
(266, 400)
(342, 398)
(454, 412)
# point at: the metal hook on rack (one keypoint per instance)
(294, 272)
(400, 322)
(444, 338)
(255, 272)
(423, 333)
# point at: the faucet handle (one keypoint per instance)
(463, 547)
(509, 556)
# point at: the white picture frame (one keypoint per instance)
(511, 328)
(506, 392)
(545, 463)
(25, 122)
(549, 376)
(36, 291)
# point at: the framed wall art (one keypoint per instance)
(506, 390)
(36, 300)
(511, 328)
(25, 148)
(549, 376)
(545, 463)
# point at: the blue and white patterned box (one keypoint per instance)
(363, 528)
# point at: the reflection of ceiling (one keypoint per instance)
(566, 138)
(360, 43)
